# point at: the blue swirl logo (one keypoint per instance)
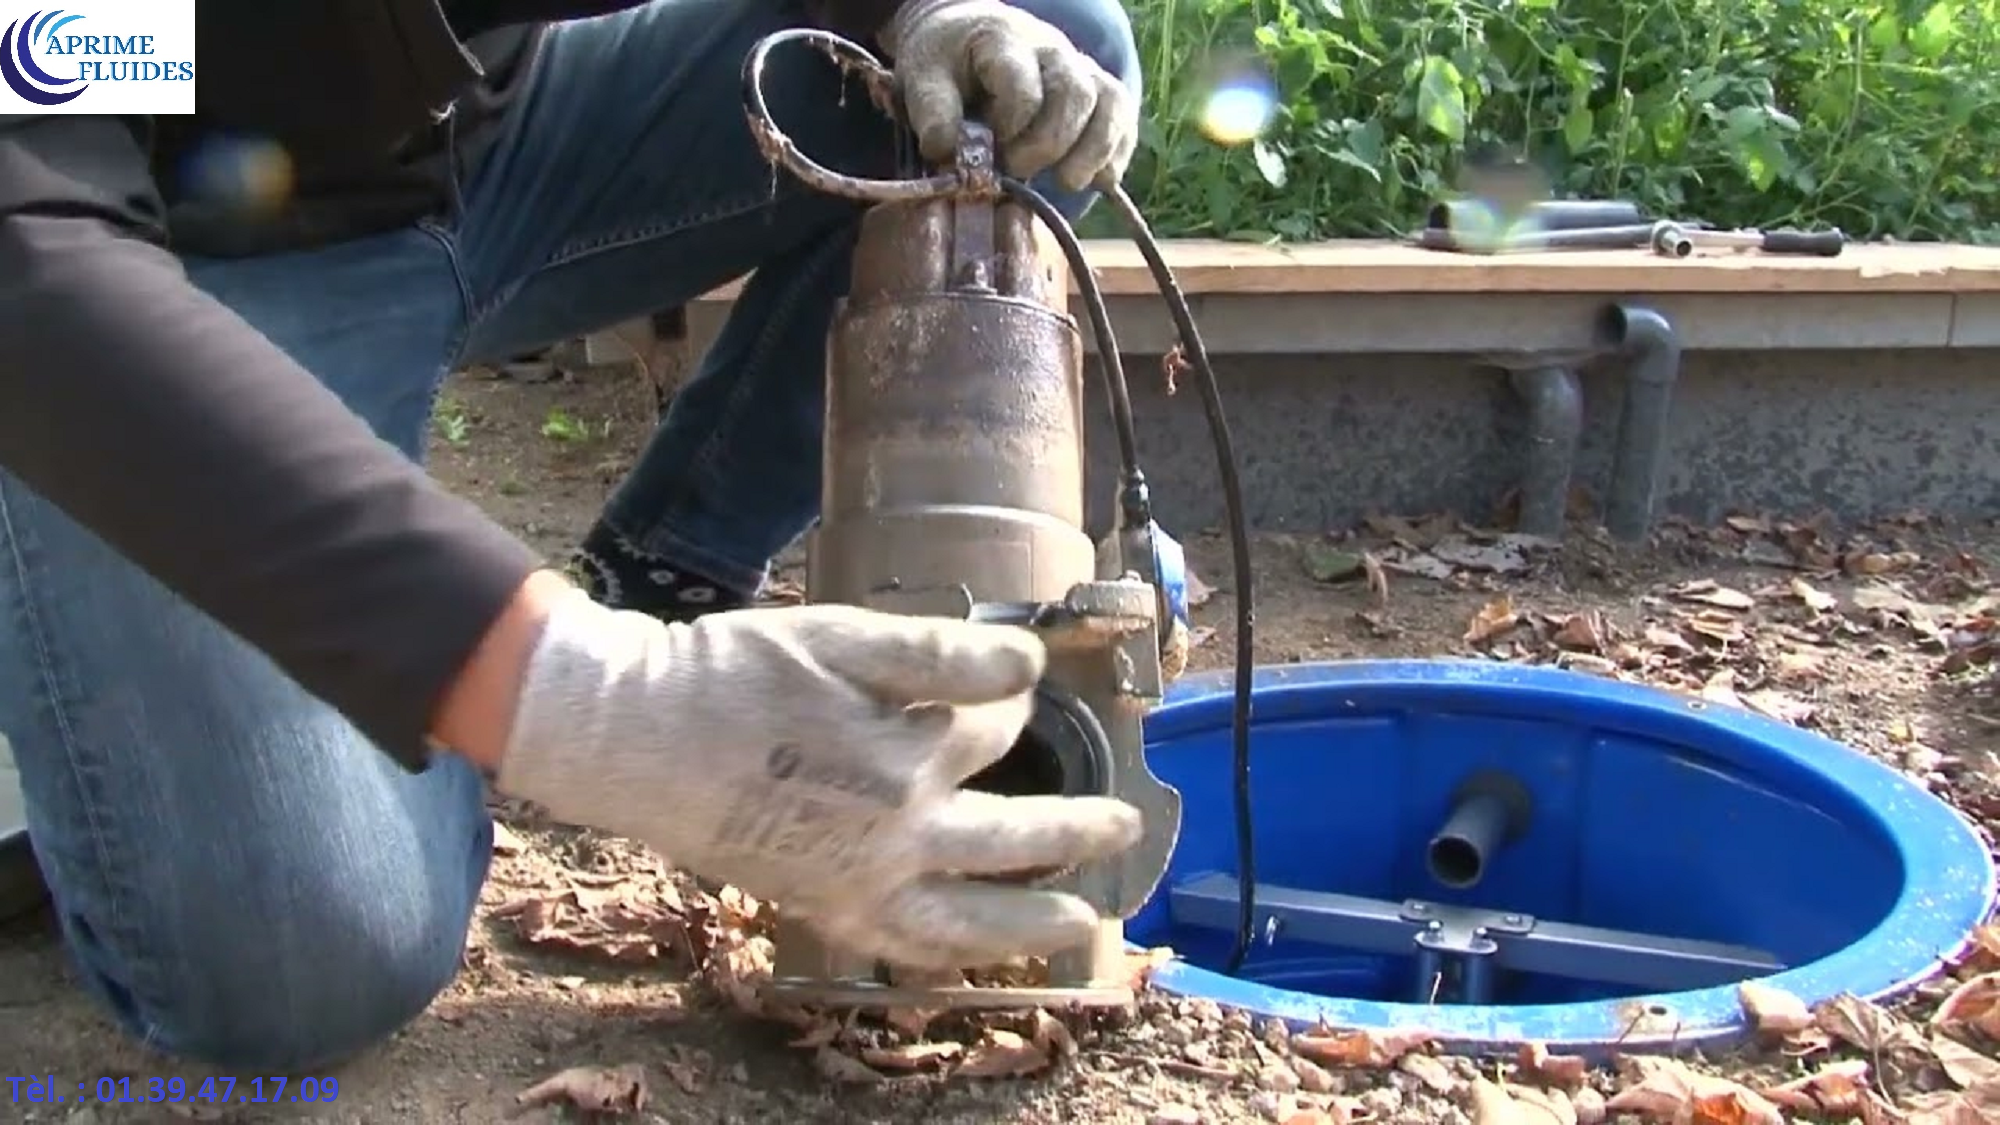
(23, 73)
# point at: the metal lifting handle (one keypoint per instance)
(852, 58)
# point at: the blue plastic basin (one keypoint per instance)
(1653, 813)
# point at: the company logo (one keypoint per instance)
(52, 58)
(23, 73)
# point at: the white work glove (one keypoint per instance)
(812, 756)
(1048, 104)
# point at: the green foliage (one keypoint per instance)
(1879, 118)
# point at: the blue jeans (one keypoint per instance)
(242, 878)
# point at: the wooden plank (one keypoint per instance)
(1384, 267)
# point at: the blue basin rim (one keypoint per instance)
(1947, 892)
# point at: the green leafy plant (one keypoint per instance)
(1879, 118)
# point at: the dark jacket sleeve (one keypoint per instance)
(164, 423)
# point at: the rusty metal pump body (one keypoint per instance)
(954, 486)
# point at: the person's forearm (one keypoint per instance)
(476, 715)
(157, 418)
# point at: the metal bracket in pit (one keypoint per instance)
(1455, 948)
(1482, 939)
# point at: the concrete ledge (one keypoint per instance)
(1368, 377)
(1370, 298)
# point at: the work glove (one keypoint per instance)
(1049, 105)
(812, 756)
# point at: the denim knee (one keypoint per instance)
(1099, 28)
(285, 993)
(333, 976)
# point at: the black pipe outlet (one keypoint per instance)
(1554, 402)
(1490, 811)
(1652, 351)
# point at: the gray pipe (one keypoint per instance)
(1652, 352)
(1554, 400)
(1489, 811)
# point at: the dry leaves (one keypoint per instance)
(1973, 1006)
(591, 1089)
(1838, 1089)
(636, 922)
(1495, 1104)
(1366, 1048)
(1667, 1090)
(1494, 619)
(1707, 592)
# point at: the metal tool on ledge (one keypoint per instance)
(954, 486)
(1464, 226)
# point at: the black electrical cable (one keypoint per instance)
(1238, 527)
(1237, 523)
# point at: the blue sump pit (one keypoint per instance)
(1668, 849)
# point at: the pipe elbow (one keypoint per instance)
(1554, 394)
(1646, 336)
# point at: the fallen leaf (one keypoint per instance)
(1714, 625)
(910, 1056)
(836, 1067)
(1982, 952)
(1493, 619)
(1708, 592)
(1505, 554)
(1052, 1036)
(1668, 640)
(1748, 525)
(1669, 1091)
(591, 1089)
(1948, 1107)
(1837, 1089)
(623, 924)
(1964, 1065)
(1777, 705)
(1877, 563)
(1002, 1054)
(1582, 632)
(738, 966)
(1817, 600)
(1974, 1005)
(1858, 1023)
(1773, 1011)
(1367, 1048)
(1721, 688)
(1559, 1070)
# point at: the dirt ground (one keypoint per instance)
(589, 954)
